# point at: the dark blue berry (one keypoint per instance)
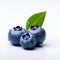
(15, 34)
(39, 34)
(27, 41)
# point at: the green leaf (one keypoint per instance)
(36, 20)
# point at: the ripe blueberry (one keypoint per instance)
(27, 41)
(39, 34)
(15, 34)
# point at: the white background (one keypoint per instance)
(16, 12)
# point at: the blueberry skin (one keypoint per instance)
(28, 43)
(14, 36)
(39, 34)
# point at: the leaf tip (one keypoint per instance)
(45, 12)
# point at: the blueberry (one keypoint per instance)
(15, 34)
(27, 41)
(39, 34)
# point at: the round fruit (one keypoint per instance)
(27, 41)
(15, 34)
(39, 34)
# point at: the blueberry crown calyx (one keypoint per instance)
(26, 36)
(34, 27)
(18, 28)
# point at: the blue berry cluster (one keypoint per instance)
(27, 39)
